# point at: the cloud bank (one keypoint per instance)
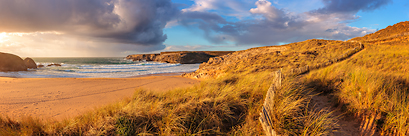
(138, 22)
(269, 25)
(121, 27)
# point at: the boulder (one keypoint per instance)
(10, 62)
(30, 63)
(57, 65)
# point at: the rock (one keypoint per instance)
(30, 63)
(40, 66)
(57, 65)
(10, 62)
(183, 57)
(141, 57)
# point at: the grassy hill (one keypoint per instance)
(370, 86)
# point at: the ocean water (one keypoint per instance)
(113, 67)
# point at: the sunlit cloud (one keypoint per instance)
(272, 26)
(120, 23)
(122, 27)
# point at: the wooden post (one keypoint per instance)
(265, 115)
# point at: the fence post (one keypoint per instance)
(265, 117)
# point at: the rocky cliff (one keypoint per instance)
(183, 57)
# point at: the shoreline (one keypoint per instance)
(61, 98)
(147, 75)
(157, 74)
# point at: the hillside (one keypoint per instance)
(289, 56)
(366, 93)
(389, 33)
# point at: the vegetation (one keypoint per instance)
(371, 86)
(372, 83)
(294, 114)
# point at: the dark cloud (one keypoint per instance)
(206, 21)
(138, 22)
(350, 6)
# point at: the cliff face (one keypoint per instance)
(139, 57)
(183, 57)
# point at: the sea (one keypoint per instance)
(107, 67)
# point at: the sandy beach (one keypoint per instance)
(60, 98)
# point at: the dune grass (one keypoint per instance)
(372, 83)
(226, 106)
(294, 114)
(230, 104)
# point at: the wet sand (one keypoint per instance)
(60, 98)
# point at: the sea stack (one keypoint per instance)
(10, 62)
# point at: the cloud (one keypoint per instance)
(267, 10)
(62, 45)
(350, 6)
(235, 8)
(137, 22)
(270, 25)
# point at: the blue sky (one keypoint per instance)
(392, 12)
(101, 28)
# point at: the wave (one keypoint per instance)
(81, 70)
(117, 71)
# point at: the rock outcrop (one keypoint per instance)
(30, 63)
(57, 65)
(10, 62)
(140, 57)
(183, 57)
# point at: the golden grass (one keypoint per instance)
(373, 82)
(293, 114)
(226, 106)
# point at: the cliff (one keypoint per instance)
(183, 57)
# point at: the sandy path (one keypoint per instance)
(61, 98)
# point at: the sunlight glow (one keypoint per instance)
(3, 37)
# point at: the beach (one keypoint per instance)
(61, 98)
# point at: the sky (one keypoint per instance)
(117, 28)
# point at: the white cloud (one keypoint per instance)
(50, 44)
(270, 25)
(266, 9)
(235, 8)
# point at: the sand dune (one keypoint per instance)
(59, 98)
